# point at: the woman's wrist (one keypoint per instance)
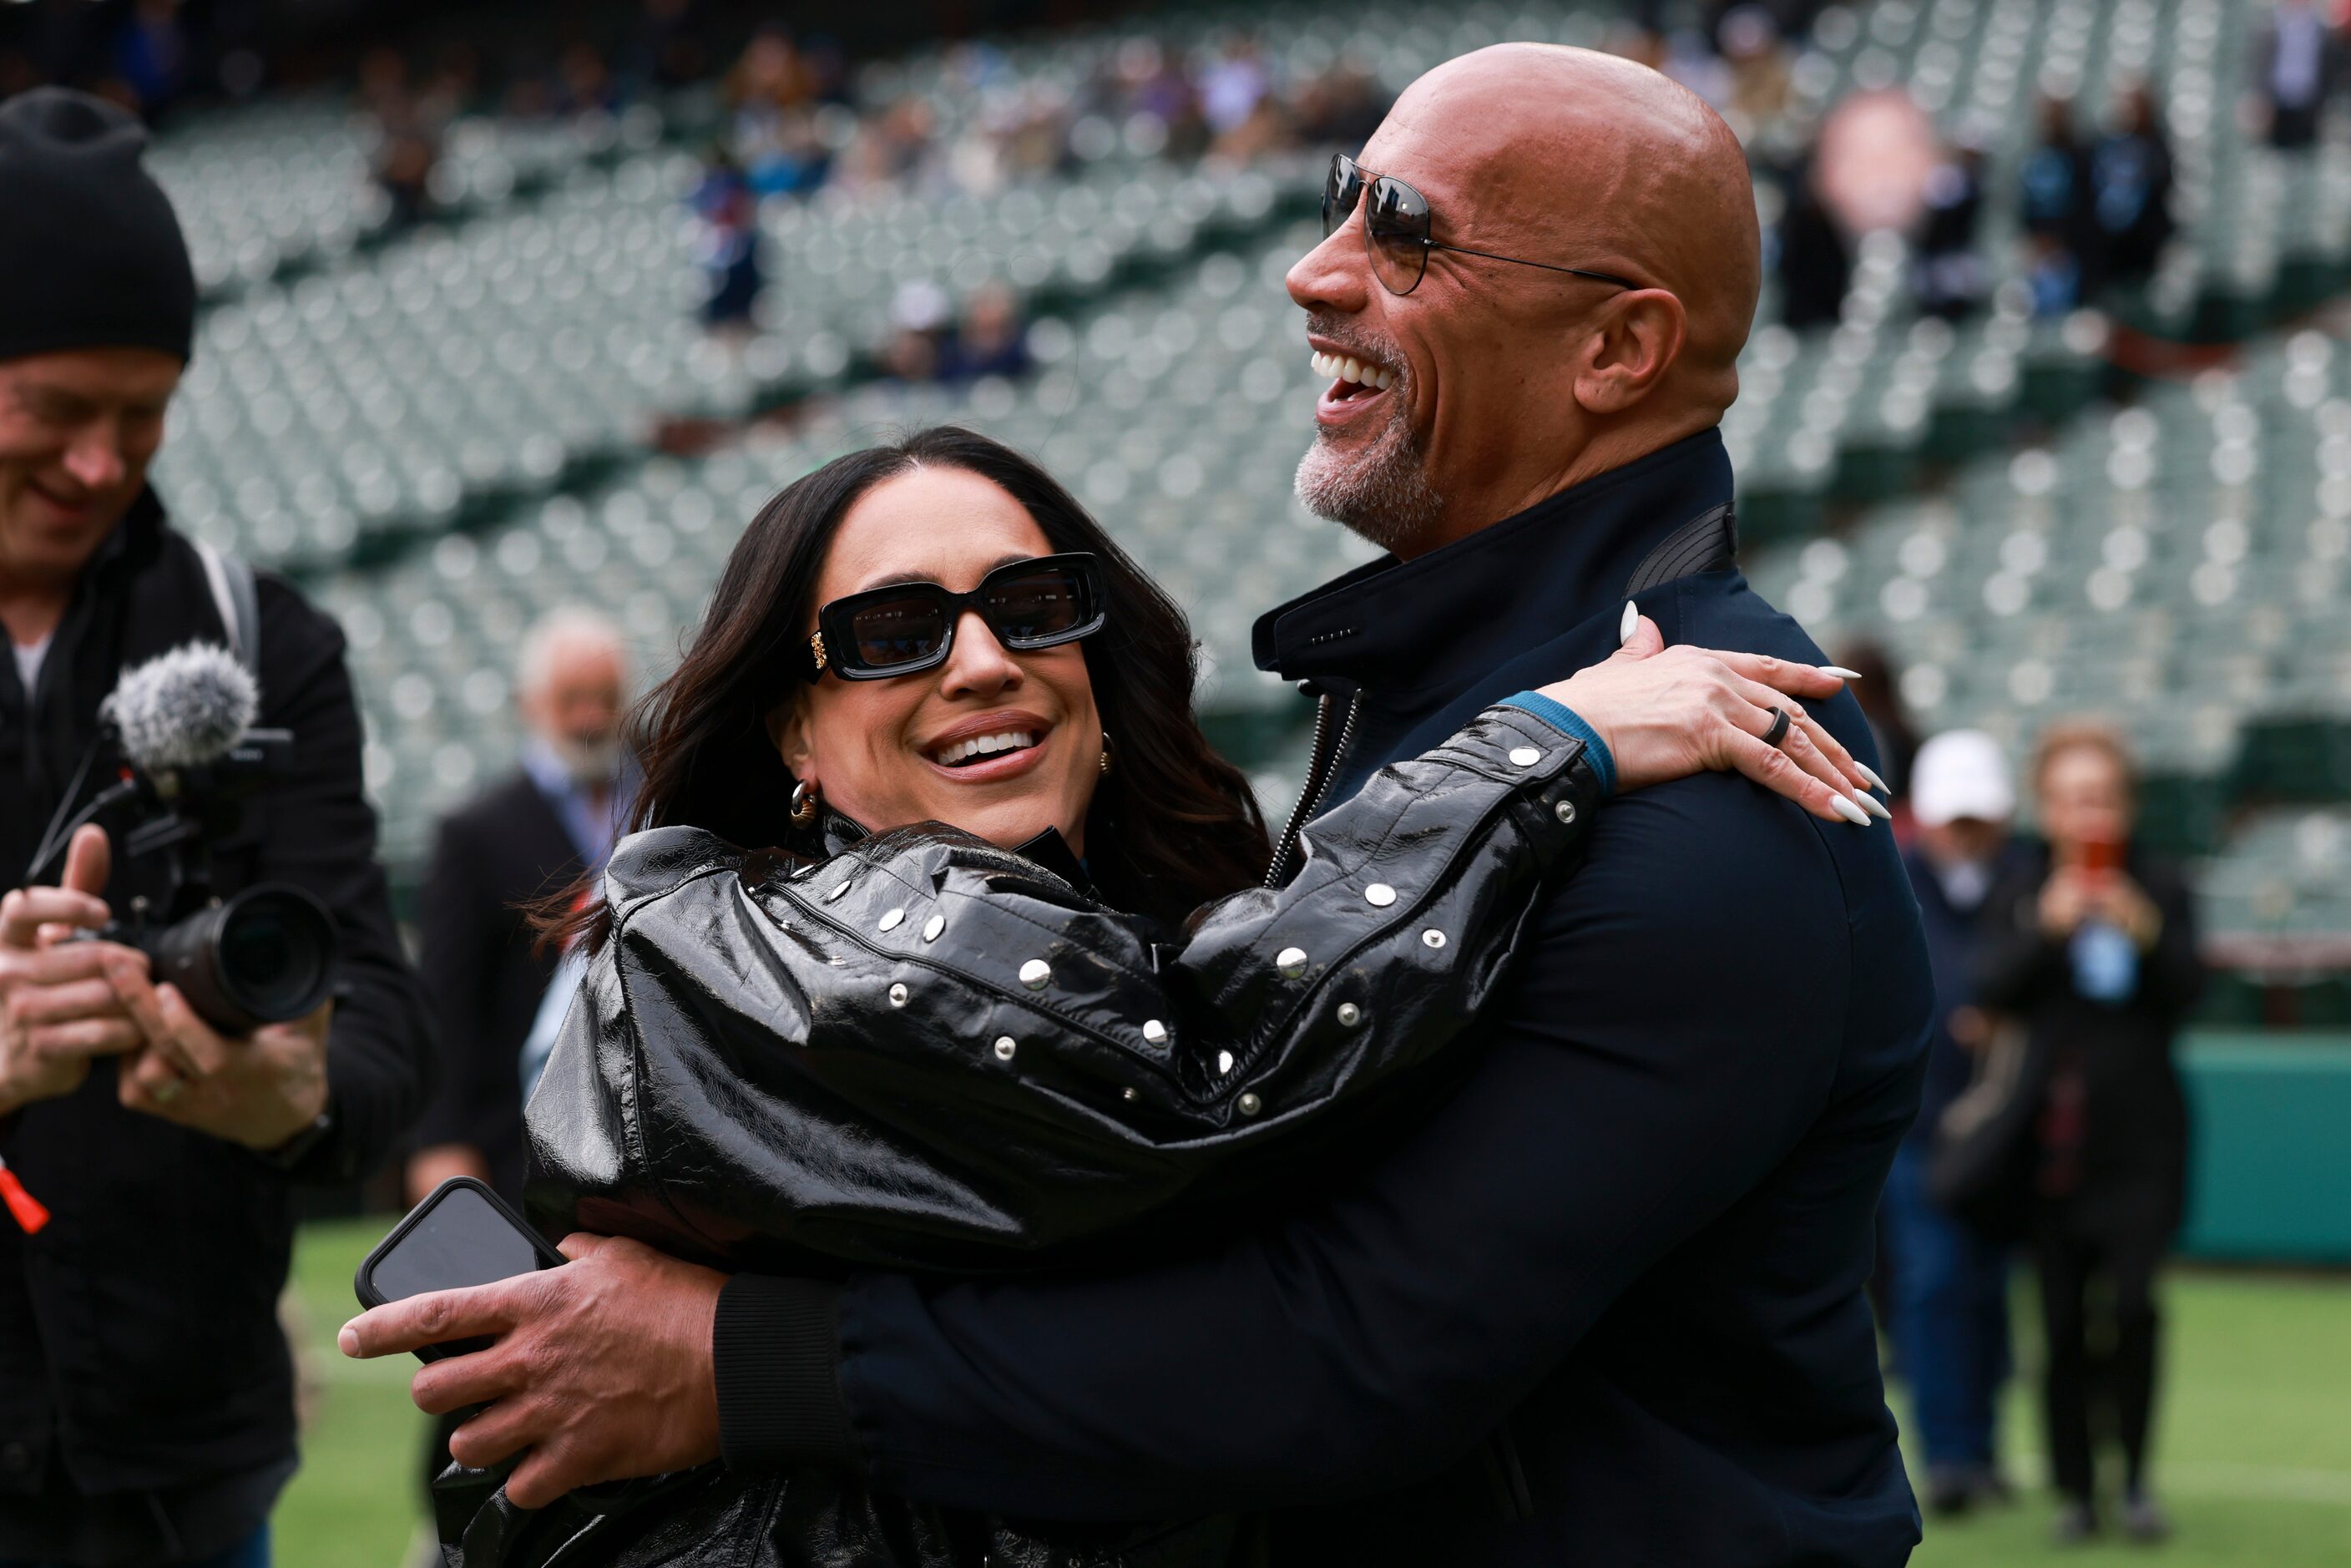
(1567, 721)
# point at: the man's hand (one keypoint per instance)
(58, 1008)
(428, 1168)
(602, 1369)
(258, 1092)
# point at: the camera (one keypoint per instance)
(263, 956)
(191, 758)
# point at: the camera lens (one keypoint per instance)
(273, 954)
(265, 955)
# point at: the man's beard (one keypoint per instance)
(1383, 492)
(588, 764)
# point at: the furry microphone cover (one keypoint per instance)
(182, 708)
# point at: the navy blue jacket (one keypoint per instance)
(1605, 1305)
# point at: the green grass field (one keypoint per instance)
(2254, 1455)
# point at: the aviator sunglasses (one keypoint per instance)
(905, 627)
(1395, 228)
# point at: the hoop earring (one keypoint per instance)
(1105, 754)
(805, 800)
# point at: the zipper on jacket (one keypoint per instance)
(1319, 773)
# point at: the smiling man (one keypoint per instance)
(1605, 1305)
(146, 1397)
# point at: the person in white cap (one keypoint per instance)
(1950, 1297)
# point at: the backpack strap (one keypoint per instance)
(231, 581)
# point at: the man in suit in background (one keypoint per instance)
(528, 836)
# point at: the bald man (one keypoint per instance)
(1603, 1306)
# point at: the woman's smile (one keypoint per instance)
(989, 748)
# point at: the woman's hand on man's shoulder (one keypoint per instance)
(1668, 713)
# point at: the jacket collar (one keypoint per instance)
(838, 833)
(1434, 620)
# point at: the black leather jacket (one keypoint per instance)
(929, 1054)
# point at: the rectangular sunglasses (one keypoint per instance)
(909, 627)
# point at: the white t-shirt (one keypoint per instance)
(28, 661)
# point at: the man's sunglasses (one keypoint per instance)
(909, 626)
(1396, 224)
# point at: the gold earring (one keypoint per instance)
(805, 798)
(1105, 754)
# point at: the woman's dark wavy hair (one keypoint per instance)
(1173, 824)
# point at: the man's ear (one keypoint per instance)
(787, 732)
(1630, 347)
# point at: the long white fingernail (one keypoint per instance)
(1869, 804)
(1840, 672)
(1866, 771)
(1849, 811)
(1630, 625)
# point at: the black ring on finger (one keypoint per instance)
(1778, 730)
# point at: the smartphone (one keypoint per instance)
(461, 1234)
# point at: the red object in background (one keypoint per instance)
(22, 1204)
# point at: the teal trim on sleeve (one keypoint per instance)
(1567, 721)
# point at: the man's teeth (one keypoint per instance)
(1347, 370)
(982, 746)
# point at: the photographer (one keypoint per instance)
(146, 1394)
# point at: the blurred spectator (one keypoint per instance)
(2130, 186)
(1234, 87)
(992, 341)
(664, 48)
(1951, 279)
(1949, 1289)
(919, 314)
(153, 54)
(1815, 258)
(404, 171)
(1761, 77)
(1340, 109)
(584, 82)
(536, 831)
(726, 243)
(2090, 944)
(409, 145)
(2055, 180)
(770, 99)
(2298, 62)
(1879, 695)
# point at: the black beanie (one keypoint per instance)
(91, 253)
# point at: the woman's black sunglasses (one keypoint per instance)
(909, 626)
(1395, 228)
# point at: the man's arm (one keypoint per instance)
(1669, 1041)
(319, 834)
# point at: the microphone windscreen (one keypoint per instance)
(182, 708)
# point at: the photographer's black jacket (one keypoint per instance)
(145, 1389)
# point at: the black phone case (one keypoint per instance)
(363, 1279)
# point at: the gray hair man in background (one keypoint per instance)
(529, 835)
